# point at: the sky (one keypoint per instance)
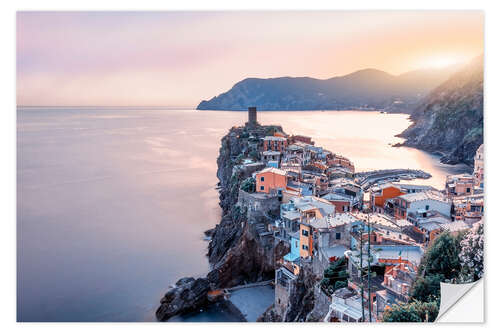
(181, 58)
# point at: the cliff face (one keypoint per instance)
(450, 119)
(368, 88)
(301, 303)
(237, 252)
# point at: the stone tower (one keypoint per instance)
(252, 116)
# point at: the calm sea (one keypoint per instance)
(112, 203)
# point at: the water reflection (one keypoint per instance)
(112, 204)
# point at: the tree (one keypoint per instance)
(471, 254)
(427, 288)
(248, 185)
(440, 264)
(442, 257)
(335, 276)
(412, 312)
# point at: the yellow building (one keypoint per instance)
(306, 240)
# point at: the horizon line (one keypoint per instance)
(103, 106)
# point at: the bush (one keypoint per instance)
(427, 288)
(248, 185)
(412, 312)
(335, 276)
(254, 155)
(340, 284)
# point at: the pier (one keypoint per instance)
(369, 178)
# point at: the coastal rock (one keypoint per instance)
(188, 294)
(270, 315)
(240, 251)
(250, 260)
(449, 121)
(233, 243)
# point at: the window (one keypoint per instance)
(426, 207)
(305, 247)
(262, 178)
(468, 189)
(337, 235)
(305, 232)
(262, 188)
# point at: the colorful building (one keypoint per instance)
(457, 185)
(469, 209)
(275, 143)
(302, 138)
(270, 179)
(343, 203)
(380, 194)
(407, 206)
(306, 240)
(291, 259)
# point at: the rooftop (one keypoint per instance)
(310, 202)
(426, 195)
(337, 197)
(273, 170)
(416, 187)
(412, 253)
(383, 186)
(377, 218)
(270, 152)
(334, 251)
(455, 226)
(274, 138)
(430, 225)
(332, 221)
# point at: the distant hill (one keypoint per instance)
(364, 89)
(450, 119)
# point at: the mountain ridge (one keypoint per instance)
(367, 88)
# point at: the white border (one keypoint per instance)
(8, 149)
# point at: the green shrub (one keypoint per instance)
(412, 312)
(248, 185)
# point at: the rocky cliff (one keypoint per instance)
(301, 303)
(237, 252)
(450, 119)
(364, 89)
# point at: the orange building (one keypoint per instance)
(457, 185)
(276, 143)
(270, 179)
(380, 194)
(337, 160)
(306, 240)
(301, 138)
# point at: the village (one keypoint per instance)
(362, 236)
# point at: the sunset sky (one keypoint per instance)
(180, 58)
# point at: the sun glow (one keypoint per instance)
(442, 61)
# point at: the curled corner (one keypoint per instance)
(461, 302)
